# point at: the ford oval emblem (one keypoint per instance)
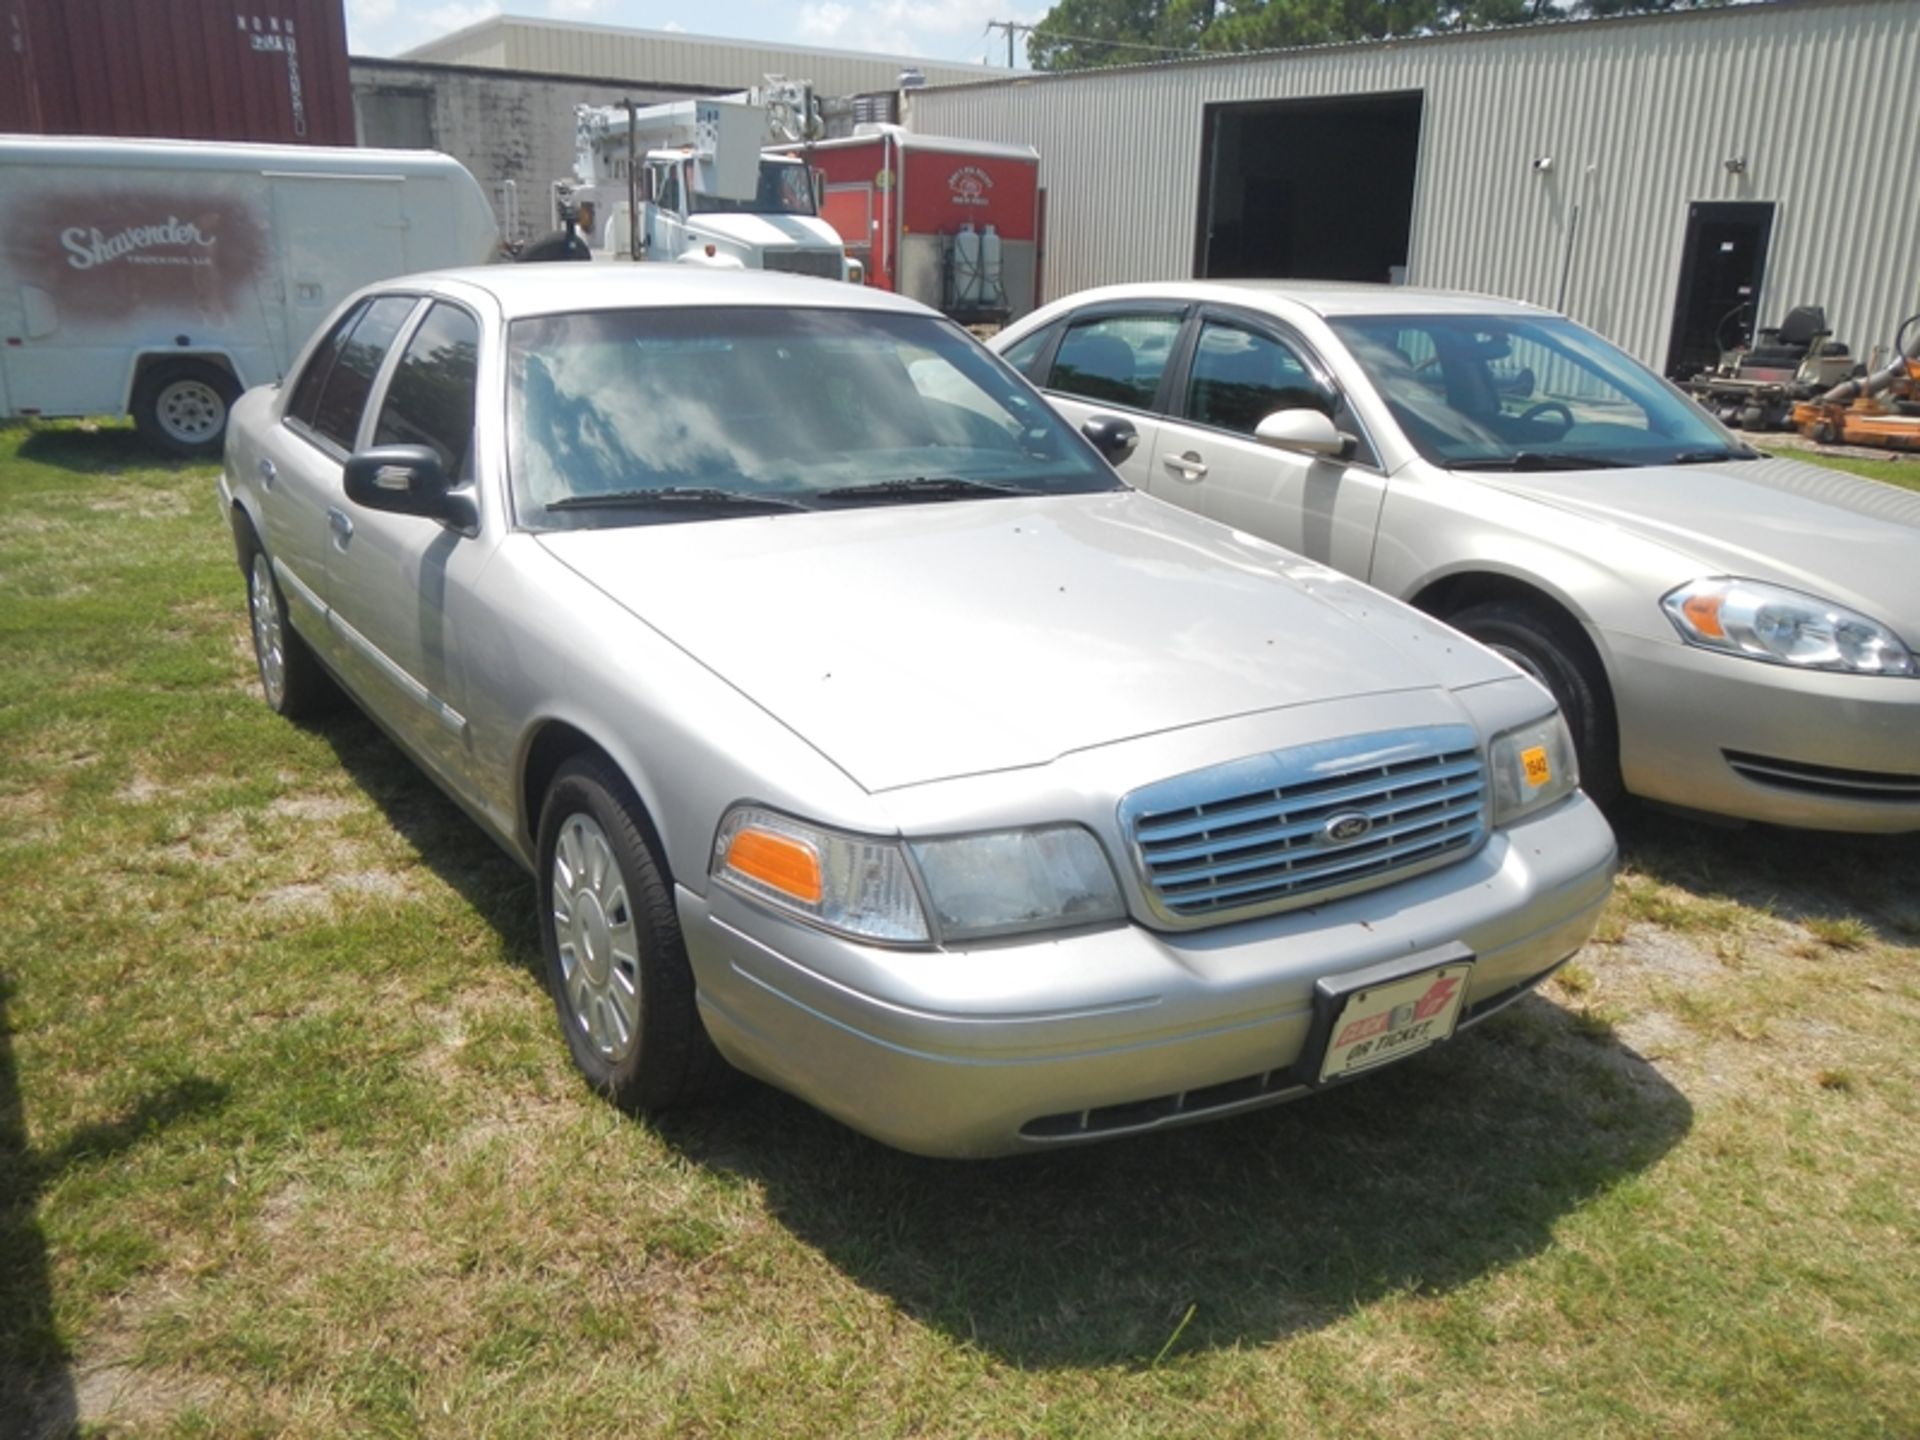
(1345, 828)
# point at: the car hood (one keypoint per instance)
(1821, 531)
(922, 642)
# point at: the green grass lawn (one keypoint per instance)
(289, 1144)
(1895, 470)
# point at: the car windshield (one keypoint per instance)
(626, 417)
(785, 189)
(1520, 392)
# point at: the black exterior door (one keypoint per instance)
(1721, 268)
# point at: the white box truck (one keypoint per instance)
(161, 278)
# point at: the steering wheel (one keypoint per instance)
(1535, 412)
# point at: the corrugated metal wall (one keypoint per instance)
(1820, 98)
(661, 57)
(269, 70)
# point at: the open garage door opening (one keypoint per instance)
(1308, 189)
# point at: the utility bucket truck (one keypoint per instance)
(706, 190)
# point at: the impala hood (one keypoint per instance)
(1820, 531)
(920, 642)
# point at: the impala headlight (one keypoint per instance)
(977, 886)
(1533, 766)
(1772, 623)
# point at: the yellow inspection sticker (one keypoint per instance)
(1539, 769)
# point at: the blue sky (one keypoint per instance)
(934, 29)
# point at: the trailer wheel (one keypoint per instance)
(182, 405)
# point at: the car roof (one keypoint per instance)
(1320, 297)
(551, 287)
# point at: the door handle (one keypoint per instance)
(1187, 467)
(342, 524)
(267, 472)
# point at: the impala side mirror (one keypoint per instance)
(1306, 432)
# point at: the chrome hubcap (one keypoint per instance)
(268, 644)
(594, 933)
(191, 411)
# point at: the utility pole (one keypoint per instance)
(1012, 27)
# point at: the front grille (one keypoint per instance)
(1251, 837)
(1827, 780)
(825, 264)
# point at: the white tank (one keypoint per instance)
(966, 266)
(991, 292)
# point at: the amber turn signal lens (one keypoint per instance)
(1703, 613)
(779, 861)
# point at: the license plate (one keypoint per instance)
(1391, 1019)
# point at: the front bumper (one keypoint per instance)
(997, 1049)
(1739, 737)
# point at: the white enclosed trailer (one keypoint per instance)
(163, 277)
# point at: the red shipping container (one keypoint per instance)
(268, 70)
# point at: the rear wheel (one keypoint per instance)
(182, 405)
(616, 963)
(1553, 651)
(292, 680)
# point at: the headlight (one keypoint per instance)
(1017, 880)
(1003, 883)
(854, 884)
(1533, 766)
(1768, 622)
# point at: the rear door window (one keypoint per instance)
(1115, 359)
(430, 398)
(344, 394)
(306, 389)
(1024, 356)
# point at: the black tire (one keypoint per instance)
(293, 682)
(667, 1057)
(182, 406)
(1551, 648)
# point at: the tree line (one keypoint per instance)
(1087, 34)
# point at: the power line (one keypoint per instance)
(1011, 26)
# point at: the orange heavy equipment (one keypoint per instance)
(1881, 409)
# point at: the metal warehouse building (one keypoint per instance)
(1644, 174)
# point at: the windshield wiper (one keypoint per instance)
(670, 497)
(1709, 457)
(1542, 460)
(924, 487)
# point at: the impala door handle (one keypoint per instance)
(1187, 467)
(342, 525)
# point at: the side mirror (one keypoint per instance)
(1113, 437)
(819, 179)
(408, 480)
(1307, 432)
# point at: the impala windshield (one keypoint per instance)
(629, 417)
(1523, 392)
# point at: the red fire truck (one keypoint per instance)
(956, 224)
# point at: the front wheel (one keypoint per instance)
(616, 964)
(1553, 651)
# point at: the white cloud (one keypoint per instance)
(445, 19)
(674, 27)
(823, 20)
(574, 9)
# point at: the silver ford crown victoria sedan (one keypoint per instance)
(1724, 632)
(863, 730)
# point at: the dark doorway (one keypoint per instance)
(1721, 267)
(1308, 189)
